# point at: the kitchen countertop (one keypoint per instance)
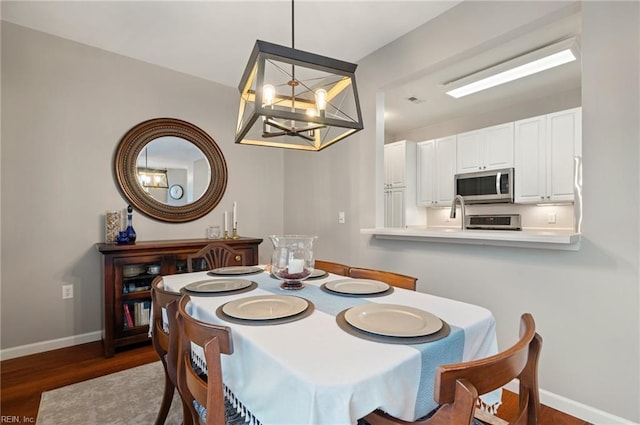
(527, 238)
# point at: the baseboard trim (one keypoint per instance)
(54, 344)
(576, 409)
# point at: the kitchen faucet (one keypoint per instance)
(453, 210)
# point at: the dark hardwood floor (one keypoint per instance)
(22, 380)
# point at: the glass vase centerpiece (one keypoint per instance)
(292, 259)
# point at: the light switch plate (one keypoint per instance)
(67, 292)
(341, 218)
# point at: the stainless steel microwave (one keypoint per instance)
(485, 187)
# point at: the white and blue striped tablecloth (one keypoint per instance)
(312, 372)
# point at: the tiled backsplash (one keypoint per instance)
(534, 217)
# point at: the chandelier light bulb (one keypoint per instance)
(268, 94)
(321, 99)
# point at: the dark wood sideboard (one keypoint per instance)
(127, 272)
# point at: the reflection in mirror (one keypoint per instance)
(169, 161)
(170, 170)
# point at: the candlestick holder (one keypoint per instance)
(235, 233)
(226, 235)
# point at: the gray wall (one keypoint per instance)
(586, 303)
(65, 107)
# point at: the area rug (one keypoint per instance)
(124, 398)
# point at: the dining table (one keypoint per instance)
(331, 352)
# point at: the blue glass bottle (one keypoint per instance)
(131, 234)
(122, 238)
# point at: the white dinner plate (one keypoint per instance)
(235, 270)
(317, 273)
(393, 320)
(265, 307)
(218, 285)
(357, 286)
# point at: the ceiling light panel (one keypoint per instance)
(530, 63)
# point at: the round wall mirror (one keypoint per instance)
(170, 170)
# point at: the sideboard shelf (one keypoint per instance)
(126, 281)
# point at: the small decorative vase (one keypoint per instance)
(292, 259)
(122, 238)
(131, 234)
(112, 223)
(213, 232)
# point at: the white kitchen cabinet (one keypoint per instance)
(395, 163)
(394, 207)
(530, 160)
(488, 148)
(401, 209)
(436, 171)
(426, 172)
(545, 147)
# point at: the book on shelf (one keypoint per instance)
(142, 311)
(128, 321)
(146, 311)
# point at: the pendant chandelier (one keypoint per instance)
(295, 99)
(152, 177)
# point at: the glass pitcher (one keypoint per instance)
(292, 259)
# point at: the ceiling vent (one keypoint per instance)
(414, 99)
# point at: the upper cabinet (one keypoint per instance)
(395, 163)
(436, 171)
(545, 148)
(489, 148)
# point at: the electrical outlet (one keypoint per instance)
(341, 218)
(67, 292)
(551, 218)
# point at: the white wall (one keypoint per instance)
(586, 303)
(65, 106)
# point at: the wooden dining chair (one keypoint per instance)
(458, 385)
(201, 381)
(335, 268)
(217, 255)
(164, 337)
(394, 279)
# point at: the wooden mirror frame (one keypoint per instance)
(125, 164)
